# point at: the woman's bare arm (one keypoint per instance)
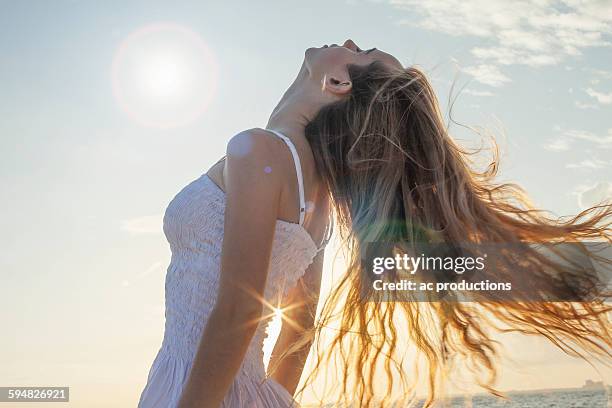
(299, 309)
(252, 202)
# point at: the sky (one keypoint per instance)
(109, 108)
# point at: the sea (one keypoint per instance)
(569, 398)
(561, 398)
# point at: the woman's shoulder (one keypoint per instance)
(255, 153)
(254, 141)
(259, 147)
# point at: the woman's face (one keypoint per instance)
(334, 58)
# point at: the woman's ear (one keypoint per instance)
(336, 84)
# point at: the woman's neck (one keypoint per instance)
(289, 118)
(298, 106)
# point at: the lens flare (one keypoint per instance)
(164, 75)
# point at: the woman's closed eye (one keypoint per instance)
(365, 52)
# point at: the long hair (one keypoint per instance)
(394, 173)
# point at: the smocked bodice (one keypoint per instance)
(193, 225)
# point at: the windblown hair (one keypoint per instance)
(394, 173)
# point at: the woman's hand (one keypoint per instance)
(253, 185)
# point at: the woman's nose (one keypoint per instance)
(350, 45)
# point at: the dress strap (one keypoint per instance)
(298, 171)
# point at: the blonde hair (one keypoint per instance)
(393, 172)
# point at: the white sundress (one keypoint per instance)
(193, 225)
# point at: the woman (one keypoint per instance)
(356, 138)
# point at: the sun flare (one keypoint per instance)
(164, 76)
(272, 331)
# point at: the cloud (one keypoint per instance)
(589, 164)
(582, 105)
(569, 137)
(149, 224)
(604, 142)
(519, 32)
(154, 267)
(589, 196)
(558, 145)
(475, 92)
(487, 74)
(603, 98)
(603, 74)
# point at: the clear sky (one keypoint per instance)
(109, 108)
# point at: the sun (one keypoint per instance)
(164, 75)
(272, 332)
